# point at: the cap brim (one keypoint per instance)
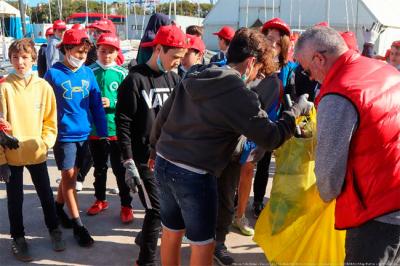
(216, 33)
(109, 44)
(147, 44)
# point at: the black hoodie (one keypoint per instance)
(155, 22)
(140, 97)
(200, 123)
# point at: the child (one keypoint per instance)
(53, 55)
(225, 35)
(140, 97)
(193, 56)
(29, 105)
(109, 76)
(78, 98)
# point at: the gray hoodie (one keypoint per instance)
(201, 121)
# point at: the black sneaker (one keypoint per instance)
(222, 256)
(64, 220)
(257, 209)
(82, 236)
(56, 240)
(19, 248)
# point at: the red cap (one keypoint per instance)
(322, 24)
(169, 35)
(226, 33)
(78, 26)
(350, 39)
(49, 32)
(104, 24)
(108, 39)
(396, 44)
(59, 25)
(276, 23)
(196, 43)
(73, 36)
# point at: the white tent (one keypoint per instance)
(300, 14)
(7, 9)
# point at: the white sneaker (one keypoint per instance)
(242, 224)
(79, 186)
(114, 190)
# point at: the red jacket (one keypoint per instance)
(372, 182)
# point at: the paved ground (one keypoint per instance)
(114, 241)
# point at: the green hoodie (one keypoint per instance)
(109, 80)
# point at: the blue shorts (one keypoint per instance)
(70, 154)
(188, 201)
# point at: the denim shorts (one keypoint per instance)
(70, 154)
(188, 201)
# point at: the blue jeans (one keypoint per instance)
(188, 201)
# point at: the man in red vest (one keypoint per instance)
(358, 150)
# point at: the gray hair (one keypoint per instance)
(321, 39)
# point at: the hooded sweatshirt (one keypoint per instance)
(31, 110)
(109, 79)
(78, 102)
(155, 22)
(201, 122)
(140, 97)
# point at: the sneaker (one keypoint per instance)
(97, 207)
(19, 248)
(56, 240)
(257, 208)
(222, 256)
(126, 215)
(82, 236)
(243, 225)
(64, 220)
(78, 186)
(114, 190)
(185, 240)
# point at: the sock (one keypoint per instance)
(77, 222)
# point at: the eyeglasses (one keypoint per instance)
(307, 72)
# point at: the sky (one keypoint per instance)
(35, 2)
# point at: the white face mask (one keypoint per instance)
(75, 62)
(106, 66)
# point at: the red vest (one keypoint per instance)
(372, 183)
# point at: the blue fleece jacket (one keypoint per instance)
(78, 102)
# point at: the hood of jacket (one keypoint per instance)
(205, 82)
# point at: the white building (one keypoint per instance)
(300, 14)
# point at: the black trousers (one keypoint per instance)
(261, 178)
(101, 150)
(149, 195)
(15, 197)
(373, 243)
(86, 165)
(227, 184)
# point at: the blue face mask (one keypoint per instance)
(244, 75)
(160, 65)
(25, 76)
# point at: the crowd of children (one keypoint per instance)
(170, 125)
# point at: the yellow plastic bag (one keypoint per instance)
(296, 226)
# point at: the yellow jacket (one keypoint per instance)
(31, 110)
